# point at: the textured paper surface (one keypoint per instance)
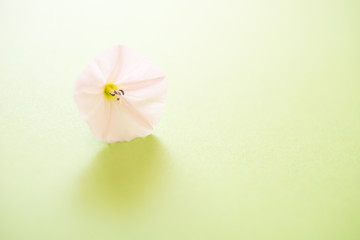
(259, 138)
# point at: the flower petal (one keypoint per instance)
(98, 119)
(135, 67)
(123, 125)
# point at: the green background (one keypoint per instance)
(260, 137)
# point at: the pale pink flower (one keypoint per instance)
(121, 95)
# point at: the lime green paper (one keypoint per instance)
(260, 137)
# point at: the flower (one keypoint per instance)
(121, 95)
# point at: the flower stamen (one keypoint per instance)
(119, 92)
(111, 90)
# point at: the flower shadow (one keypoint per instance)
(124, 175)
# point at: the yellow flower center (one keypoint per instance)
(109, 89)
(112, 91)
